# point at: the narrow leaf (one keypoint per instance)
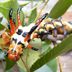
(33, 15)
(56, 51)
(44, 68)
(21, 66)
(53, 65)
(9, 64)
(49, 67)
(23, 4)
(1, 27)
(60, 8)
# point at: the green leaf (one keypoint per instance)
(7, 5)
(21, 66)
(56, 51)
(1, 27)
(45, 47)
(9, 64)
(53, 65)
(33, 15)
(44, 68)
(60, 8)
(24, 4)
(9, 70)
(49, 67)
(30, 56)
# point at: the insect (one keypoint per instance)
(20, 36)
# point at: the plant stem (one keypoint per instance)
(26, 66)
(41, 10)
(27, 55)
(60, 65)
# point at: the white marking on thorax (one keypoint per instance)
(20, 37)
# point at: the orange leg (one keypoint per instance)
(18, 17)
(34, 27)
(29, 46)
(27, 38)
(12, 25)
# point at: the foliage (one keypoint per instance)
(1, 27)
(24, 4)
(60, 8)
(33, 15)
(9, 64)
(44, 57)
(6, 6)
(59, 49)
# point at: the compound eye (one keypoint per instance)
(19, 32)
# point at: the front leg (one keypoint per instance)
(35, 26)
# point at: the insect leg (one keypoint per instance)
(12, 25)
(29, 46)
(34, 27)
(18, 16)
